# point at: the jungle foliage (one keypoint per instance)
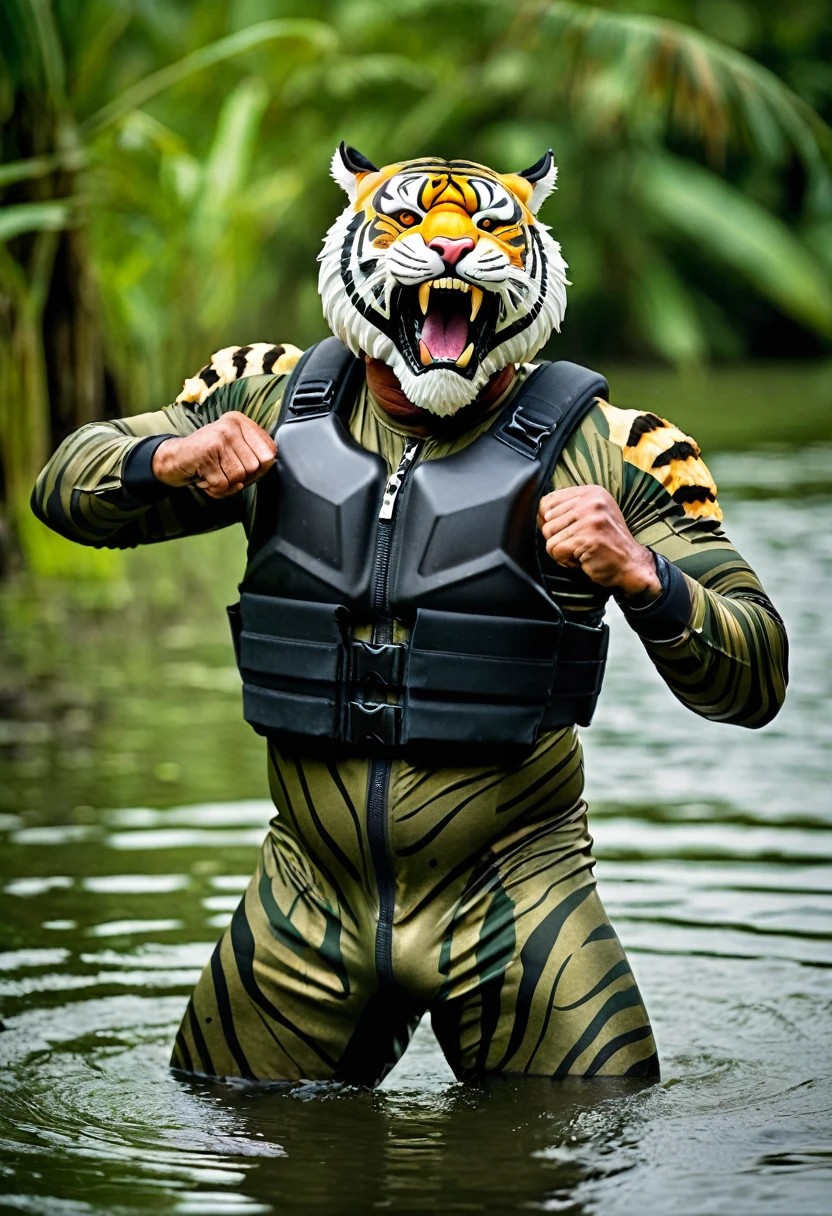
(164, 183)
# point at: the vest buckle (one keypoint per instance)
(525, 431)
(312, 397)
(382, 664)
(373, 722)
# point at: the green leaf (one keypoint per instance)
(317, 33)
(35, 217)
(39, 166)
(668, 315)
(712, 91)
(229, 159)
(737, 230)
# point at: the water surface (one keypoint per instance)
(132, 810)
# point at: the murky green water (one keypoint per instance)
(132, 809)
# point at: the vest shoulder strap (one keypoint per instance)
(323, 381)
(547, 409)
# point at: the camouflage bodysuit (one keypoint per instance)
(480, 905)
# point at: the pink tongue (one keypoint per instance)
(445, 336)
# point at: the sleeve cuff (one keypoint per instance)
(137, 476)
(665, 619)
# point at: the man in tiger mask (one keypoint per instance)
(420, 634)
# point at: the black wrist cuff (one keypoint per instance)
(137, 476)
(664, 619)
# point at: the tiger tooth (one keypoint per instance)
(465, 358)
(476, 301)
(424, 297)
(425, 355)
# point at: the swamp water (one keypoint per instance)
(132, 810)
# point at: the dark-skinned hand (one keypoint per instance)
(583, 527)
(220, 458)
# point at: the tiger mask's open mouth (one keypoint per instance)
(445, 323)
(440, 270)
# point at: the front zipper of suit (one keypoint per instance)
(379, 781)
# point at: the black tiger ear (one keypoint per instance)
(539, 169)
(356, 161)
(347, 165)
(542, 175)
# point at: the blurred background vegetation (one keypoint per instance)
(164, 184)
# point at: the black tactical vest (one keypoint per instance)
(447, 547)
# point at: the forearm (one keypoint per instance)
(716, 639)
(97, 489)
(101, 489)
(632, 491)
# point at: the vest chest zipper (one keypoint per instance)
(379, 779)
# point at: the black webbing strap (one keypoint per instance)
(546, 410)
(323, 381)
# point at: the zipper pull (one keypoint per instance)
(394, 481)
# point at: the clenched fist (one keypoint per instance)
(220, 458)
(583, 526)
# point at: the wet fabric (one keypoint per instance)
(475, 909)
(511, 952)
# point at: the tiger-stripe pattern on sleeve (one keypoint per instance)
(80, 492)
(730, 663)
(235, 363)
(657, 446)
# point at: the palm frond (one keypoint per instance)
(667, 314)
(704, 89)
(741, 234)
(316, 33)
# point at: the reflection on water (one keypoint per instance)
(712, 844)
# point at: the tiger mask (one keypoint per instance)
(441, 270)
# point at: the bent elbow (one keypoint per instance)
(51, 511)
(768, 715)
(40, 506)
(771, 678)
(768, 701)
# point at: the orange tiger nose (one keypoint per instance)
(451, 249)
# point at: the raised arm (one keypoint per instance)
(174, 472)
(651, 534)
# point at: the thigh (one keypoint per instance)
(537, 982)
(290, 992)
